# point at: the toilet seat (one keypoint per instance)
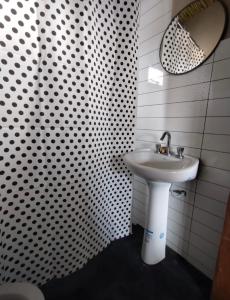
(20, 291)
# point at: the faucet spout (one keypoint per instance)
(168, 134)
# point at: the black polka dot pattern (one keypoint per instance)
(179, 53)
(67, 98)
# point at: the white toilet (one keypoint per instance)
(20, 291)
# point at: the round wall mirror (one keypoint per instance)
(192, 36)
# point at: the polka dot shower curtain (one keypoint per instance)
(67, 96)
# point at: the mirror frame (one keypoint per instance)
(221, 36)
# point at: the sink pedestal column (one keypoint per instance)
(154, 241)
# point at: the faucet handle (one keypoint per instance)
(158, 148)
(180, 151)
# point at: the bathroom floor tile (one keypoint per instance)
(118, 273)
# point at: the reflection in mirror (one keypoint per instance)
(192, 36)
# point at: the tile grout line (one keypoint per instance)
(190, 147)
(190, 191)
(165, 74)
(152, 36)
(169, 76)
(142, 15)
(192, 132)
(176, 102)
(186, 85)
(205, 63)
(173, 88)
(202, 141)
(157, 19)
(174, 117)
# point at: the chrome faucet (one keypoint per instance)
(168, 134)
(167, 150)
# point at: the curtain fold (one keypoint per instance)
(67, 95)
(180, 52)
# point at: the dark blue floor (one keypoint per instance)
(118, 273)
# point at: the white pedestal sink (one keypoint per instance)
(159, 171)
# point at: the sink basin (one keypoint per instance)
(159, 171)
(160, 168)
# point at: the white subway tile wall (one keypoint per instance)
(195, 108)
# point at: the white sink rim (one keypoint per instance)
(188, 170)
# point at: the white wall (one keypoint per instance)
(195, 108)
